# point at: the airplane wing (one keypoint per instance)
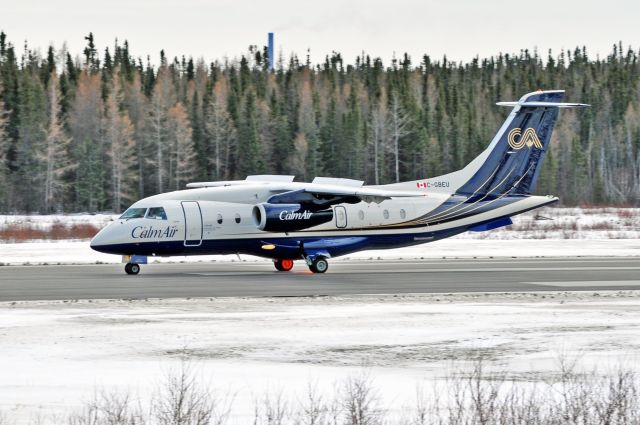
(361, 192)
(321, 196)
(321, 193)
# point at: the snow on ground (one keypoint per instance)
(45, 222)
(78, 252)
(54, 354)
(570, 232)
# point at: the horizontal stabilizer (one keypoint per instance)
(270, 178)
(217, 184)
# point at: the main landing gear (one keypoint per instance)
(318, 264)
(132, 268)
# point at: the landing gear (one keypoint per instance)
(132, 268)
(283, 265)
(319, 265)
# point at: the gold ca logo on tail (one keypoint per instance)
(517, 140)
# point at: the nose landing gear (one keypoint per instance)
(132, 268)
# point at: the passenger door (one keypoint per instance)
(192, 223)
(341, 217)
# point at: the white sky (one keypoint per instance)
(216, 28)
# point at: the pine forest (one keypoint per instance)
(97, 130)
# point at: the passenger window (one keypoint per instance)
(403, 214)
(238, 219)
(157, 213)
(133, 213)
(361, 215)
(385, 213)
(219, 218)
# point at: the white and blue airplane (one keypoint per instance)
(275, 217)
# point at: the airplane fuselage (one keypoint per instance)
(223, 220)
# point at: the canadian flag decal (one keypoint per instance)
(421, 184)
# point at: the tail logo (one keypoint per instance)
(530, 139)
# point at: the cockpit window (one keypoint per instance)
(133, 213)
(157, 213)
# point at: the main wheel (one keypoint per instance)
(283, 265)
(132, 268)
(319, 265)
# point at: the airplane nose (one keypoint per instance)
(97, 241)
(102, 240)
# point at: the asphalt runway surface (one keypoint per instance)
(245, 279)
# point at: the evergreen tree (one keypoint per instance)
(32, 120)
(88, 147)
(366, 120)
(250, 160)
(4, 150)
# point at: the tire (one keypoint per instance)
(132, 268)
(283, 265)
(319, 265)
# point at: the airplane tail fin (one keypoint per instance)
(511, 163)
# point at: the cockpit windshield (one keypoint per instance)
(133, 213)
(157, 213)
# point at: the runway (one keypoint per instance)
(236, 279)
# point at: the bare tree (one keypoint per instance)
(306, 140)
(137, 107)
(109, 408)
(184, 401)
(161, 100)
(298, 158)
(274, 409)
(379, 135)
(221, 133)
(120, 147)
(360, 401)
(182, 149)
(54, 153)
(399, 121)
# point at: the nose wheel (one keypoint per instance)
(319, 265)
(283, 265)
(132, 268)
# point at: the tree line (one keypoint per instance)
(96, 131)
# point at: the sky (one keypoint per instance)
(215, 29)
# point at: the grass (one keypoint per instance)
(57, 231)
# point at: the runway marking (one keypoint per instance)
(579, 284)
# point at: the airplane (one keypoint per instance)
(275, 217)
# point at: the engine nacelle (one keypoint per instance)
(288, 217)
